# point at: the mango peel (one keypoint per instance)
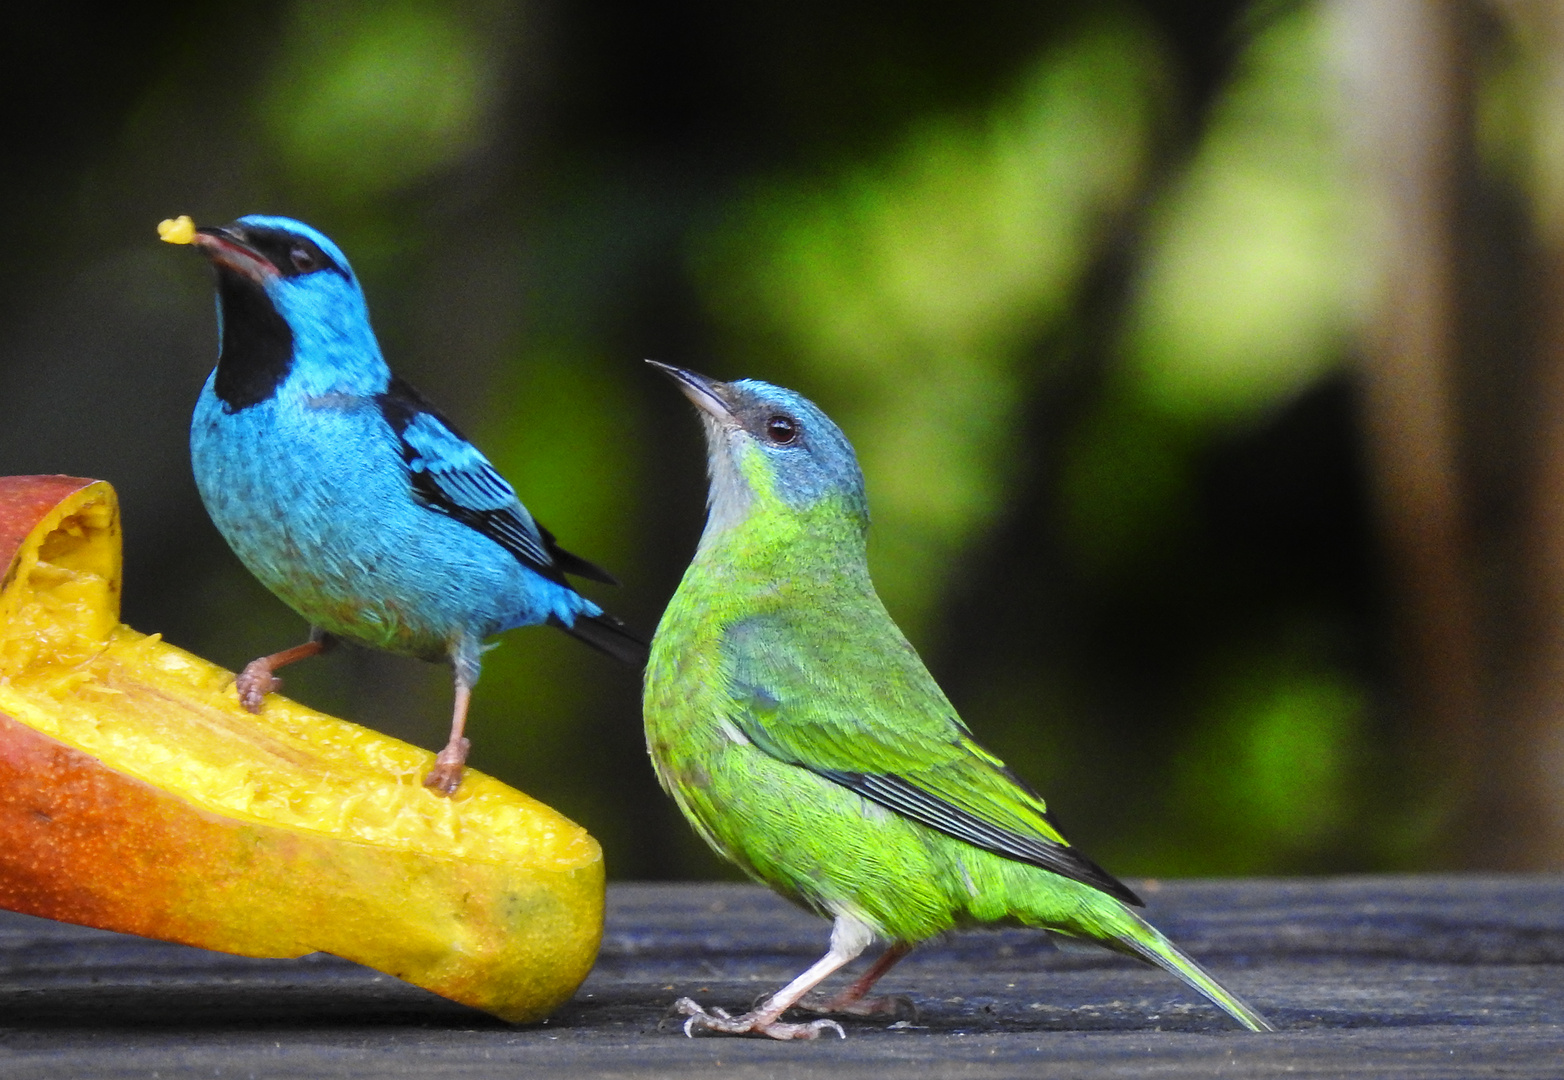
(136, 795)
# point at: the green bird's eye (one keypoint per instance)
(781, 429)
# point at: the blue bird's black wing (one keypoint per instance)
(450, 476)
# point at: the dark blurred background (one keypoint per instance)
(1205, 360)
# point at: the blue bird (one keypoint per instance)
(347, 494)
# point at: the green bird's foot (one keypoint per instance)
(891, 1006)
(751, 1023)
(853, 1000)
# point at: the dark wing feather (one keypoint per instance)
(907, 798)
(450, 476)
(574, 564)
(607, 635)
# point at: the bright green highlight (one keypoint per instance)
(1256, 277)
(907, 290)
(1275, 766)
(1257, 268)
(1520, 110)
(369, 97)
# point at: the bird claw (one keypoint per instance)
(751, 1023)
(254, 683)
(892, 1006)
(446, 776)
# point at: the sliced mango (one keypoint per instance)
(179, 230)
(136, 795)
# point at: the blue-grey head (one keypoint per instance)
(765, 442)
(286, 295)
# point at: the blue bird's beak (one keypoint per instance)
(708, 395)
(227, 248)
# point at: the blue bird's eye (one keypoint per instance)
(781, 430)
(303, 259)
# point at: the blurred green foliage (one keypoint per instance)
(368, 97)
(1256, 264)
(1079, 280)
(904, 293)
(1273, 774)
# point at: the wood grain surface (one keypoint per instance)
(1427, 977)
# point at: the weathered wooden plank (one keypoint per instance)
(1417, 976)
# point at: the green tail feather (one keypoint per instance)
(1147, 942)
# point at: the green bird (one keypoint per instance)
(803, 738)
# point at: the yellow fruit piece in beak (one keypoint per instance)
(179, 230)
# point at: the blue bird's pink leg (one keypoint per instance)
(257, 680)
(446, 775)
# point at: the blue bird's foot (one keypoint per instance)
(756, 1022)
(446, 776)
(255, 682)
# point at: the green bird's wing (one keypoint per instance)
(873, 720)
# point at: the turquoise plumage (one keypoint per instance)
(348, 494)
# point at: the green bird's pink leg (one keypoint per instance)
(852, 1002)
(849, 938)
(257, 680)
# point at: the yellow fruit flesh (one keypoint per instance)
(487, 897)
(179, 230)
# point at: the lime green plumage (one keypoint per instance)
(802, 736)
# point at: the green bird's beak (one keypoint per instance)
(709, 395)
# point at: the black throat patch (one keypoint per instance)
(257, 349)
